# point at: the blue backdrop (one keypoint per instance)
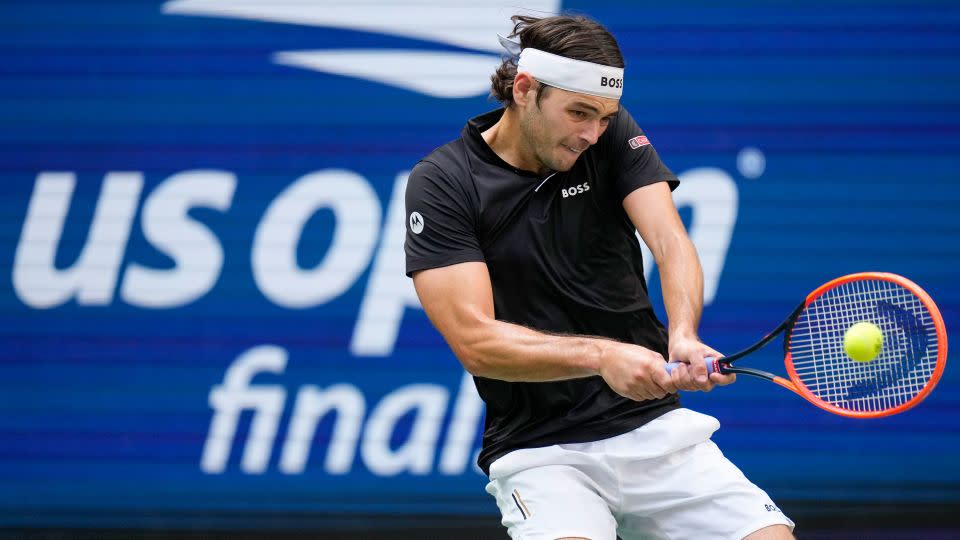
(204, 314)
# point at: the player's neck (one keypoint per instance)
(505, 139)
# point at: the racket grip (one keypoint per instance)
(711, 362)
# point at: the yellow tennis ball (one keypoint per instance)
(863, 341)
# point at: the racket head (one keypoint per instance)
(908, 367)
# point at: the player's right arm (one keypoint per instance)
(458, 299)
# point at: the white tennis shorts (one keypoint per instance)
(665, 479)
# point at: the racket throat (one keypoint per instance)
(749, 371)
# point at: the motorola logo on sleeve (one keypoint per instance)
(416, 223)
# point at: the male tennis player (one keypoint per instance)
(521, 245)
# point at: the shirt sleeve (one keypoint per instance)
(441, 225)
(634, 162)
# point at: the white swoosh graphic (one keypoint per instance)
(467, 23)
(434, 73)
(470, 24)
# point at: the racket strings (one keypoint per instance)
(900, 372)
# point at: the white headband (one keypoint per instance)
(572, 75)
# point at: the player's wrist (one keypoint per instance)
(681, 341)
(599, 354)
(682, 330)
(682, 334)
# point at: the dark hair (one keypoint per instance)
(572, 36)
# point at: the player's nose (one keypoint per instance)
(591, 132)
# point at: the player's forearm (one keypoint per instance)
(509, 352)
(681, 279)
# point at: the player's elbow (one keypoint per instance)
(471, 360)
(472, 346)
(472, 357)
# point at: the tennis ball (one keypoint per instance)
(863, 341)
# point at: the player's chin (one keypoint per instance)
(562, 166)
(565, 159)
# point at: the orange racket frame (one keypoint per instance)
(796, 385)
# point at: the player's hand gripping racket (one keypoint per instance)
(912, 355)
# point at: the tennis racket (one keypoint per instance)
(905, 371)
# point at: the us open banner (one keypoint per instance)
(205, 316)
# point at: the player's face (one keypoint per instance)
(565, 125)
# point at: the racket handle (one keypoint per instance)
(711, 362)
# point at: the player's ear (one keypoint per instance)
(524, 89)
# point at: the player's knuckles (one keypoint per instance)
(679, 379)
(698, 366)
(657, 394)
(638, 393)
(686, 380)
(665, 385)
(723, 380)
(705, 383)
(668, 385)
(646, 387)
(632, 387)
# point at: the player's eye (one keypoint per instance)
(578, 114)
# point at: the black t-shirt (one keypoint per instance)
(563, 258)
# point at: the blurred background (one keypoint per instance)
(206, 329)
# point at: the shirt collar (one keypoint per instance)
(472, 135)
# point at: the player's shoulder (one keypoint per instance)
(622, 134)
(446, 164)
(623, 123)
(439, 180)
(458, 158)
(447, 156)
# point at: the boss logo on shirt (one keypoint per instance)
(573, 191)
(416, 223)
(611, 82)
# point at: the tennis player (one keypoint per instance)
(521, 244)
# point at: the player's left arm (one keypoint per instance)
(652, 212)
